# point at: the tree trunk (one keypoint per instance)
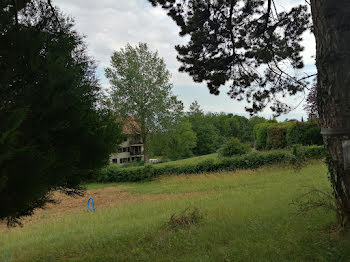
(145, 147)
(331, 21)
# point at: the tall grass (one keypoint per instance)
(247, 216)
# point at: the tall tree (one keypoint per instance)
(206, 133)
(176, 142)
(55, 131)
(249, 42)
(141, 87)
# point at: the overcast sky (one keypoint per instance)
(110, 24)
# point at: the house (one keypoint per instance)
(131, 149)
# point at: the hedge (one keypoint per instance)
(260, 134)
(114, 173)
(304, 133)
(276, 135)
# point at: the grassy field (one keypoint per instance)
(246, 216)
(192, 160)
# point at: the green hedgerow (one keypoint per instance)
(114, 173)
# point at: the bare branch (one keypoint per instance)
(53, 12)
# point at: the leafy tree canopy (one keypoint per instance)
(176, 142)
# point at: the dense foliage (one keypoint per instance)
(55, 130)
(305, 133)
(206, 133)
(276, 135)
(260, 134)
(113, 173)
(177, 141)
(273, 135)
(208, 139)
(234, 147)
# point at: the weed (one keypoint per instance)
(184, 219)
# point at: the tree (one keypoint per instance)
(240, 128)
(206, 133)
(237, 40)
(195, 107)
(55, 130)
(141, 88)
(256, 120)
(176, 142)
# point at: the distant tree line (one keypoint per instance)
(198, 133)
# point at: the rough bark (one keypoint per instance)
(332, 32)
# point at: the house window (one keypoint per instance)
(115, 160)
(125, 138)
(124, 160)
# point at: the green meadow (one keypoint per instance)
(241, 216)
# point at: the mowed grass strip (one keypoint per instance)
(247, 216)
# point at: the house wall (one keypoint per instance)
(116, 157)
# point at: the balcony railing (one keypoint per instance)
(136, 153)
(135, 142)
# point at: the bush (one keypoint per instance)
(276, 135)
(300, 154)
(234, 147)
(260, 134)
(113, 173)
(313, 136)
(304, 133)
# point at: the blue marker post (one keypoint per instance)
(93, 204)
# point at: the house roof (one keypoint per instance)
(130, 126)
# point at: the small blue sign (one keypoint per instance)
(91, 208)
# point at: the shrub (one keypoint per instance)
(260, 134)
(234, 147)
(313, 136)
(300, 154)
(184, 219)
(304, 133)
(113, 173)
(276, 135)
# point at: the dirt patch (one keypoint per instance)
(103, 198)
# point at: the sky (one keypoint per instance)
(109, 25)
